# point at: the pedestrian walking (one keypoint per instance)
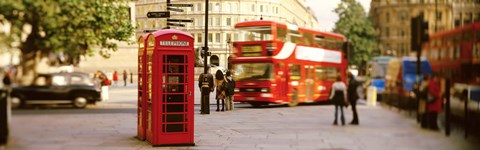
(102, 81)
(422, 103)
(229, 90)
(210, 85)
(131, 77)
(115, 78)
(220, 94)
(338, 96)
(7, 79)
(352, 96)
(435, 105)
(125, 76)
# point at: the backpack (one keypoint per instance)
(225, 86)
(229, 87)
(107, 82)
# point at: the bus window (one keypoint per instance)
(320, 40)
(281, 34)
(295, 37)
(308, 39)
(326, 73)
(262, 33)
(253, 71)
(294, 72)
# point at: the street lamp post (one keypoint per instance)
(205, 95)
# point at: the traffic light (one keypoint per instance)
(415, 30)
(424, 32)
(203, 50)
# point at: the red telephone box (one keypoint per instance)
(170, 111)
(142, 103)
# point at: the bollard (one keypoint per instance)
(4, 117)
(371, 96)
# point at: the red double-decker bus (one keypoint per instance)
(285, 64)
(455, 54)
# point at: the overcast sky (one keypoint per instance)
(324, 11)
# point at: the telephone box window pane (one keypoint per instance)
(174, 127)
(171, 98)
(173, 69)
(174, 108)
(174, 117)
(174, 88)
(175, 79)
(175, 59)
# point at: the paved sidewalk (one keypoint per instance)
(303, 127)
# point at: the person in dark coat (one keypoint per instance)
(220, 94)
(125, 76)
(353, 97)
(210, 84)
(231, 91)
(338, 96)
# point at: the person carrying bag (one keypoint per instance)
(338, 96)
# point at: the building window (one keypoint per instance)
(228, 37)
(235, 37)
(210, 38)
(235, 7)
(217, 7)
(387, 32)
(199, 38)
(199, 6)
(210, 22)
(387, 17)
(253, 7)
(229, 21)
(228, 7)
(217, 21)
(439, 16)
(261, 8)
(217, 37)
(200, 22)
(209, 6)
(276, 10)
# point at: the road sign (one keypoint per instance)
(175, 9)
(179, 20)
(175, 24)
(158, 14)
(180, 5)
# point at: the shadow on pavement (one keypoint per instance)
(64, 110)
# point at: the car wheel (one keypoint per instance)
(16, 102)
(80, 102)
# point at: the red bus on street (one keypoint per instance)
(285, 64)
(455, 54)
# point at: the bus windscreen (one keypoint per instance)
(253, 71)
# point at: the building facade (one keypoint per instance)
(392, 18)
(223, 15)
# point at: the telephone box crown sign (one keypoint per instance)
(174, 37)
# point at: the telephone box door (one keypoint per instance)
(177, 97)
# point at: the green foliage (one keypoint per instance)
(359, 30)
(74, 27)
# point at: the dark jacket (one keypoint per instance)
(210, 81)
(352, 94)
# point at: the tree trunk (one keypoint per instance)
(28, 66)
